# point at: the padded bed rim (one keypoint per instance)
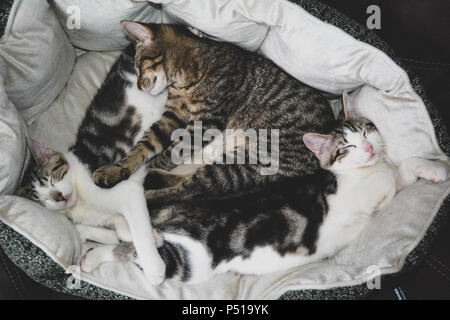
(326, 14)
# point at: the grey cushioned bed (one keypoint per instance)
(313, 42)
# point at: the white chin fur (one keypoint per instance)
(157, 89)
(160, 85)
(71, 203)
(371, 161)
(61, 206)
(55, 206)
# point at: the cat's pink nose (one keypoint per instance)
(58, 196)
(368, 148)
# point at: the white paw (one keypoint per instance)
(122, 229)
(110, 238)
(434, 172)
(91, 260)
(157, 273)
(124, 235)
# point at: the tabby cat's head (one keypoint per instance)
(160, 54)
(48, 180)
(353, 144)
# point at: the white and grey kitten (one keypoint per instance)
(300, 221)
(116, 119)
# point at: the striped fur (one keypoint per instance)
(224, 87)
(44, 175)
(298, 221)
(341, 146)
(113, 123)
(117, 117)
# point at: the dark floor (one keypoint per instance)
(431, 280)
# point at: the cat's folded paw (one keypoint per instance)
(91, 260)
(156, 278)
(157, 273)
(109, 176)
(433, 171)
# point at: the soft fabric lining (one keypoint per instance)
(347, 268)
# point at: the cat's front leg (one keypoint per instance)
(97, 234)
(93, 258)
(163, 160)
(137, 216)
(110, 175)
(155, 140)
(160, 179)
(124, 233)
(128, 199)
(415, 168)
(123, 252)
(122, 229)
(210, 182)
(96, 256)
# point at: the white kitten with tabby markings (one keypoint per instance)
(65, 184)
(116, 119)
(298, 222)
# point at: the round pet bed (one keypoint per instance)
(52, 64)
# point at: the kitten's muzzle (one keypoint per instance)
(59, 197)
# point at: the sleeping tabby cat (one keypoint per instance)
(299, 221)
(224, 87)
(114, 122)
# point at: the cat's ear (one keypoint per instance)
(137, 32)
(40, 153)
(317, 143)
(348, 108)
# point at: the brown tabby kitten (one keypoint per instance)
(224, 87)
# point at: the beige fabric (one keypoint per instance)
(380, 250)
(312, 51)
(38, 56)
(401, 117)
(324, 57)
(51, 232)
(100, 21)
(57, 126)
(12, 141)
